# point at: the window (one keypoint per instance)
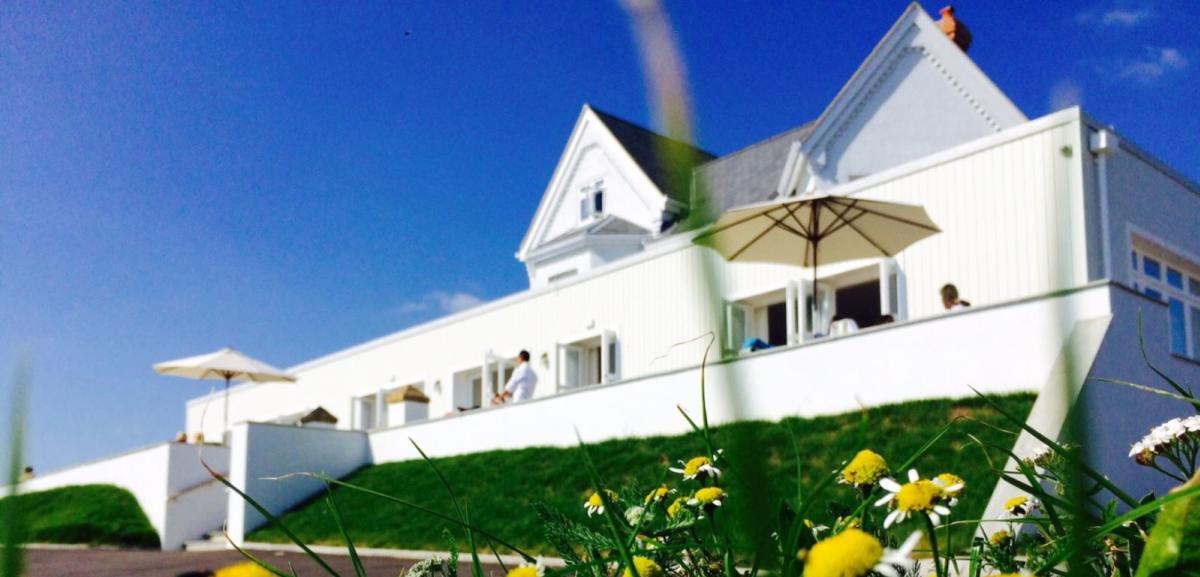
(589, 361)
(591, 201)
(1174, 280)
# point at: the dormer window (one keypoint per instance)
(591, 201)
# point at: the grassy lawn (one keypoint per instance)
(89, 514)
(501, 487)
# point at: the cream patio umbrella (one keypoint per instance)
(226, 364)
(820, 228)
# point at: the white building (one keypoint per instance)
(1056, 229)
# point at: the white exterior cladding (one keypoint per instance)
(1011, 207)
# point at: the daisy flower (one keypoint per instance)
(676, 508)
(697, 467)
(1000, 538)
(527, 570)
(1020, 506)
(658, 495)
(917, 496)
(864, 470)
(634, 515)
(1039, 457)
(595, 504)
(951, 486)
(707, 497)
(855, 553)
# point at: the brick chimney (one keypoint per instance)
(954, 29)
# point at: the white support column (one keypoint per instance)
(792, 293)
(486, 377)
(803, 311)
(380, 409)
(885, 287)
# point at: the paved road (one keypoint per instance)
(112, 563)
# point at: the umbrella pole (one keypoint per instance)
(815, 292)
(225, 413)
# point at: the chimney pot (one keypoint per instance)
(954, 29)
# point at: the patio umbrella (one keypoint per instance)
(815, 229)
(226, 364)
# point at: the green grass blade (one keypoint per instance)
(1083, 467)
(273, 520)
(461, 513)
(1146, 359)
(610, 511)
(1152, 390)
(359, 571)
(409, 504)
(1115, 523)
(13, 561)
(250, 557)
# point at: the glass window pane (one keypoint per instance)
(598, 200)
(1195, 333)
(1153, 294)
(1178, 328)
(1151, 267)
(583, 209)
(1174, 278)
(1194, 286)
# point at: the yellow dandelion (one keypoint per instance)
(866, 468)
(645, 568)
(1000, 538)
(855, 553)
(243, 569)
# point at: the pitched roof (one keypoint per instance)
(609, 225)
(751, 174)
(666, 161)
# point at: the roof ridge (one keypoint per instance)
(762, 142)
(608, 115)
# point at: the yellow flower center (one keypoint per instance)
(709, 494)
(596, 501)
(950, 480)
(864, 469)
(645, 568)
(917, 496)
(692, 467)
(1015, 502)
(676, 508)
(524, 571)
(657, 495)
(851, 553)
(1000, 537)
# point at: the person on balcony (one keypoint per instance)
(521, 384)
(950, 298)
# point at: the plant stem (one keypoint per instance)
(933, 548)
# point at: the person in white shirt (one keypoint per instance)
(521, 384)
(950, 298)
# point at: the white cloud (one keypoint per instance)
(1154, 63)
(441, 302)
(1065, 94)
(1126, 17)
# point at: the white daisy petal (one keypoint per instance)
(885, 500)
(891, 518)
(941, 510)
(934, 518)
(913, 476)
(890, 485)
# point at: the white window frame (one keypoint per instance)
(587, 202)
(1188, 294)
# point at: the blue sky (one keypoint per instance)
(291, 179)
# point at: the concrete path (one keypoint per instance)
(123, 563)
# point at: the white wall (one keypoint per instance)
(1010, 207)
(937, 357)
(156, 476)
(261, 451)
